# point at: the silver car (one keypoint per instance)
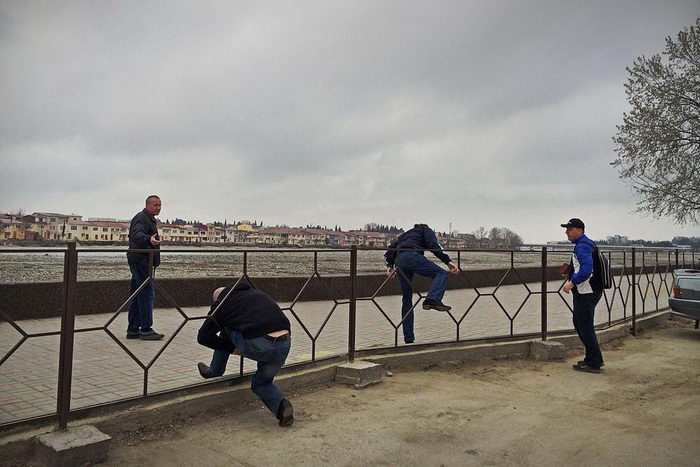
(685, 301)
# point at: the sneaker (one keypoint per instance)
(132, 335)
(205, 371)
(429, 303)
(410, 340)
(153, 336)
(586, 368)
(285, 413)
(583, 362)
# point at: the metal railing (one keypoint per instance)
(638, 271)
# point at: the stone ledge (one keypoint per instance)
(359, 374)
(547, 350)
(80, 445)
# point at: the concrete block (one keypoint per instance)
(547, 350)
(76, 446)
(359, 374)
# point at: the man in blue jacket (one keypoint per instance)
(587, 290)
(143, 235)
(412, 261)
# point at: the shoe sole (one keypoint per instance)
(437, 307)
(582, 362)
(586, 370)
(151, 337)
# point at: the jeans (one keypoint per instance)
(270, 357)
(410, 263)
(584, 312)
(141, 307)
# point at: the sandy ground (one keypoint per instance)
(643, 410)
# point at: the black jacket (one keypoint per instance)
(420, 237)
(250, 311)
(143, 227)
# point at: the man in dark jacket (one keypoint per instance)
(249, 322)
(587, 291)
(407, 263)
(143, 235)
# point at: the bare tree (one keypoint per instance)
(658, 143)
(510, 238)
(480, 233)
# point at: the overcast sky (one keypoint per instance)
(475, 113)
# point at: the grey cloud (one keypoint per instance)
(370, 109)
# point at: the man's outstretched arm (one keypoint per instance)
(208, 337)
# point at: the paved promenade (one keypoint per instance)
(103, 372)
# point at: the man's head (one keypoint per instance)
(217, 292)
(153, 205)
(574, 228)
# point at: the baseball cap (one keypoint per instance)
(574, 222)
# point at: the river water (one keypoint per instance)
(93, 265)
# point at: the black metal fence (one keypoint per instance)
(642, 280)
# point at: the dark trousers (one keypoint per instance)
(141, 307)
(270, 356)
(410, 263)
(584, 312)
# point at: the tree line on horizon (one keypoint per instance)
(499, 235)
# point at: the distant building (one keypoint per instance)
(371, 239)
(11, 228)
(48, 225)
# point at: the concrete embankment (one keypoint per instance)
(44, 299)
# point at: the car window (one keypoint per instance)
(688, 283)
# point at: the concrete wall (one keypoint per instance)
(44, 299)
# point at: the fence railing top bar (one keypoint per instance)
(33, 250)
(614, 247)
(482, 250)
(215, 250)
(527, 249)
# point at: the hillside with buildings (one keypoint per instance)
(47, 226)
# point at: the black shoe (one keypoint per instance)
(285, 413)
(429, 303)
(132, 335)
(205, 371)
(586, 368)
(154, 336)
(583, 362)
(410, 340)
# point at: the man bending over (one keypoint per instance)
(249, 322)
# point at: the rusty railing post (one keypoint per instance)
(544, 294)
(65, 351)
(634, 293)
(353, 303)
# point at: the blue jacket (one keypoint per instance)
(420, 237)
(582, 261)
